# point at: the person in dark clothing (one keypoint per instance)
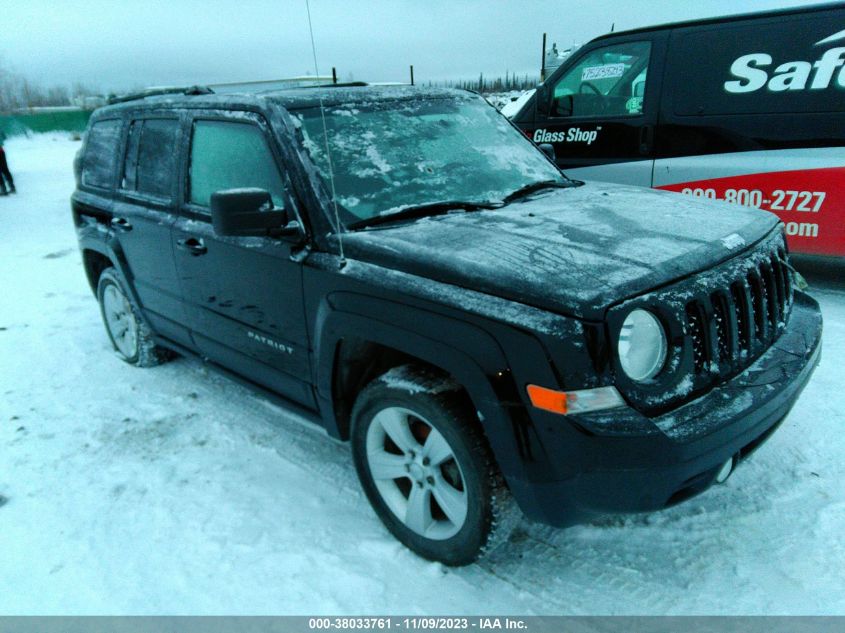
(5, 175)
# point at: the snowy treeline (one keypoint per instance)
(17, 92)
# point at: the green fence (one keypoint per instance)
(60, 120)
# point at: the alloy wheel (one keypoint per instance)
(416, 473)
(120, 321)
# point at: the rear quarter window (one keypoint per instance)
(101, 153)
(790, 64)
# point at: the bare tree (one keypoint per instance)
(18, 92)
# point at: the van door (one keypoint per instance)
(244, 294)
(599, 110)
(143, 216)
(759, 120)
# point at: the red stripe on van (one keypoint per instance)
(810, 202)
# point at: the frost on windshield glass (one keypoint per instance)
(396, 154)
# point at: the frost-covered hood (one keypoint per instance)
(575, 251)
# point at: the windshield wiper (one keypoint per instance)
(537, 186)
(422, 210)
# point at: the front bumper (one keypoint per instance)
(622, 461)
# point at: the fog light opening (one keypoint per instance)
(725, 471)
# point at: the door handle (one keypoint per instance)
(194, 246)
(121, 224)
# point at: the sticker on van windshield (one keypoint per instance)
(605, 71)
(634, 105)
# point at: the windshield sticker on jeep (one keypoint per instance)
(752, 71)
(260, 338)
(572, 135)
(605, 71)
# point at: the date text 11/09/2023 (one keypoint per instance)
(417, 623)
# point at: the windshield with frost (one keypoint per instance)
(389, 156)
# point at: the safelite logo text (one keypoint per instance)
(752, 71)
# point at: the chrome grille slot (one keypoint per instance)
(724, 333)
(777, 269)
(787, 279)
(771, 300)
(739, 295)
(758, 305)
(698, 336)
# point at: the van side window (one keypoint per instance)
(151, 157)
(229, 156)
(608, 81)
(101, 151)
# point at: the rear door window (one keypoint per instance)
(230, 155)
(101, 153)
(151, 155)
(606, 82)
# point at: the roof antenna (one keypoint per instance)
(338, 227)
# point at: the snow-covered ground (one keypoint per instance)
(172, 490)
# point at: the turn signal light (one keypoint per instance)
(548, 399)
(563, 402)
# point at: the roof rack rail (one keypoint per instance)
(153, 92)
(348, 84)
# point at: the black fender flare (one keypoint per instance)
(107, 245)
(467, 352)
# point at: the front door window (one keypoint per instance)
(228, 155)
(606, 82)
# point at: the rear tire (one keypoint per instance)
(127, 330)
(427, 469)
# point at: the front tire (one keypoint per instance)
(427, 469)
(128, 332)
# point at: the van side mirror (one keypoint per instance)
(548, 149)
(563, 106)
(250, 212)
(541, 98)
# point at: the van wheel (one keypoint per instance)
(129, 333)
(427, 469)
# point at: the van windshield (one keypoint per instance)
(388, 156)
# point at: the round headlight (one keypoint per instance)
(642, 345)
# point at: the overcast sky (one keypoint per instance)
(117, 44)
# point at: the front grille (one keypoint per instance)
(737, 322)
(718, 322)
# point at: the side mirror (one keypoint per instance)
(639, 89)
(250, 212)
(541, 98)
(563, 106)
(548, 150)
